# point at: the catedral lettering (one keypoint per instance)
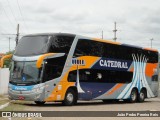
(114, 64)
(67, 68)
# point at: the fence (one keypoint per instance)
(4, 79)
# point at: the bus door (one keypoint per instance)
(84, 91)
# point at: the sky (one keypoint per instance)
(138, 21)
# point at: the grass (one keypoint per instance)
(3, 96)
(15, 106)
(3, 99)
(2, 102)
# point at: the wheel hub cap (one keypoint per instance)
(70, 97)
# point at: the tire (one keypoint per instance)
(133, 96)
(141, 96)
(70, 98)
(40, 102)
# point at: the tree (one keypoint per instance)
(7, 62)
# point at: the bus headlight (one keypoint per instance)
(38, 90)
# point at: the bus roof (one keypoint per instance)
(37, 34)
(123, 44)
(96, 39)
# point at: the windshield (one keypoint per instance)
(32, 45)
(40, 44)
(24, 73)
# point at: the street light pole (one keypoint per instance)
(115, 30)
(17, 35)
(151, 42)
(102, 34)
(9, 43)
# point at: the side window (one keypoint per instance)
(153, 57)
(109, 51)
(53, 68)
(60, 44)
(101, 76)
(88, 48)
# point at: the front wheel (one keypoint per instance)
(70, 98)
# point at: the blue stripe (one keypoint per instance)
(21, 88)
(135, 74)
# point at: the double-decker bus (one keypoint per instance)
(68, 67)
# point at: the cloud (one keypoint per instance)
(137, 21)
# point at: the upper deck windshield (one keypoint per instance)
(40, 44)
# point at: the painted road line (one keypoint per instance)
(4, 105)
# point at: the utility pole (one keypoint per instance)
(9, 43)
(102, 34)
(17, 35)
(151, 42)
(115, 30)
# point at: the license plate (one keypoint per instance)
(21, 97)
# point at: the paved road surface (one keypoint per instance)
(152, 104)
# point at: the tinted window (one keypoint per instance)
(110, 50)
(152, 57)
(94, 48)
(88, 48)
(53, 68)
(155, 78)
(60, 44)
(35, 45)
(100, 49)
(104, 76)
(32, 45)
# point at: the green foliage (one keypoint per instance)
(7, 62)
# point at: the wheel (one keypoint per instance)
(39, 102)
(70, 98)
(141, 96)
(133, 96)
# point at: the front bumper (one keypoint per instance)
(36, 93)
(27, 96)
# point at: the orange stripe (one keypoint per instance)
(106, 41)
(151, 49)
(132, 69)
(150, 69)
(41, 58)
(116, 87)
